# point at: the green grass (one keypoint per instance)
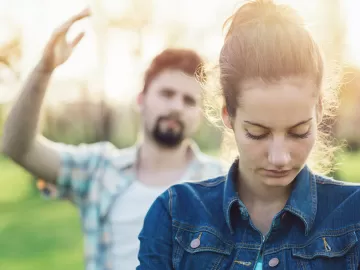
(349, 167)
(14, 182)
(40, 234)
(35, 233)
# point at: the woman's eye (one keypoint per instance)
(301, 132)
(300, 136)
(256, 136)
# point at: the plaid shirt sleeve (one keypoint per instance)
(79, 165)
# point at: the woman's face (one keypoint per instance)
(275, 127)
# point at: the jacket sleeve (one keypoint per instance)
(156, 236)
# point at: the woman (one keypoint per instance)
(271, 210)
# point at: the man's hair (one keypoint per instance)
(185, 60)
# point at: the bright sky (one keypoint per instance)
(352, 8)
(117, 70)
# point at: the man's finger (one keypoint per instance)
(65, 27)
(77, 39)
(83, 14)
(62, 30)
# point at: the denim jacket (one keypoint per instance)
(205, 225)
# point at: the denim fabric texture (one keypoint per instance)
(206, 226)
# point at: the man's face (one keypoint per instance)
(170, 108)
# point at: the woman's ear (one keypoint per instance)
(226, 117)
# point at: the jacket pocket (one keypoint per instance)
(200, 249)
(329, 252)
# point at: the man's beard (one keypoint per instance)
(169, 138)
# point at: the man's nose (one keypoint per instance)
(177, 104)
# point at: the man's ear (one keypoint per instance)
(140, 101)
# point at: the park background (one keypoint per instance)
(92, 97)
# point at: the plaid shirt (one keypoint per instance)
(92, 177)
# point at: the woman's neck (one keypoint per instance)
(262, 202)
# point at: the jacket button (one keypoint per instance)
(195, 243)
(273, 262)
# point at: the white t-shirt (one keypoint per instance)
(126, 219)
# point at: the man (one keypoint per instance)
(114, 188)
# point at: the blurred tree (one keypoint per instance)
(10, 53)
(10, 56)
(348, 125)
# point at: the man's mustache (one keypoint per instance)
(171, 118)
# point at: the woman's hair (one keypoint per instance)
(268, 41)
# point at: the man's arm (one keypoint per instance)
(21, 140)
